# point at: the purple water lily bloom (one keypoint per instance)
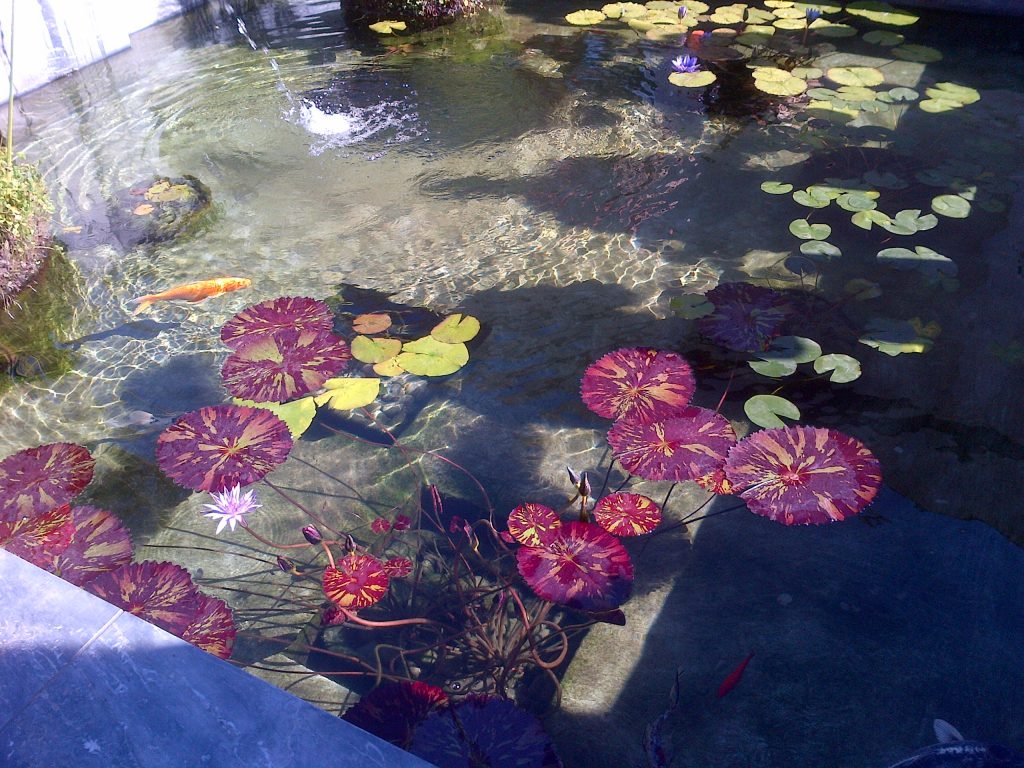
(686, 63)
(682, 11)
(231, 506)
(812, 14)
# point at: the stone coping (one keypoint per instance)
(83, 683)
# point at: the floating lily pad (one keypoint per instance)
(356, 581)
(639, 384)
(627, 514)
(895, 337)
(778, 82)
(585, 18)
(898, 95)
(883, 37)
(832, 29)
(862, 76)
(909, 221)
(726, 16)
(346, 393)
(40, 537)
(855, 201)
(811, 199)
(367, 350)
(775, 369)
(820, 248)
(885, 180)
(836, 111)
(692, 79)
(922, 54)
(38, 479)
(881, 13)
(806, 231)
(430, 357)
(298, 414)
(953, 92)
(696, 7)
(212, 628)
(99, 543)
(373, 322)
(388, 368)
(776, 187)
(921, 258)
(843, 367)
(790, 24)
(623, 10)
(953, 206)
(387, 27)
(746, 317)
(807, 73)
(297, 313)
(456, 328)
(160, 593)
(691, 306)
(797, 349)
(393, 711)
(765, 410)
(856, 93)
(533, 525)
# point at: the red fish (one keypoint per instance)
(734, 677)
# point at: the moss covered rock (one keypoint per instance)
(159, 209)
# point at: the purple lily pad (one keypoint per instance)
(161, 593)
(38, 479)
(99, 544)
(40, 537)
(393, 711)
(297, 313)
(746, 317)
(639, 384)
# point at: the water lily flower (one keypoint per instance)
(686, 63)
(231, 507)
(811, 14)
(312, 534)
(682, 11)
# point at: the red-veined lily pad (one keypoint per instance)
(394, 710)
(38, 479)
(297, 313)
(746, 317)
(40, 537)
(639, 384)
(99, 544)
(716, 482)
(356, 581)
(161, 593)
(532, 524)
(221, 446)
(581, 566)
(803, 475)
(685, 447)
(212, 627)
(627, 514)
(372, 322)
(398, 567)
(484, 730)
(284, 365)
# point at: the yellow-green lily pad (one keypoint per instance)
(884, 37)
(881, 13)
(367, 350)
(776, 187)
(388, 368)
(863, 76)
(807, 73)
(623, 11)
(345, 393)
(456, 328)
(953, 92)
(791, 86)
(895, 337)
(810, 199)
(922, 54)
(430, 357)
(298, 414)
(807, 231)
(765, 410)
(844, 368)
(922, 258)
(585, 18)
(820, 248)
(865, 219)
(387, 27)
(692, 79)
(832, 28)
(696, 6)
(953, 206)
(690, 306)
(790, 24)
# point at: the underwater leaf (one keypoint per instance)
(881, 12)
(883, 37)
(776, 187)
(456, 328)
(298, 414)
(295, 313)
(807, 231)
(683, 447)
(953, 206)
(394, 710)
(692, 79)
(844, 368)
(765, 410)
(533, 524)
(355, 581)
(430, 357)
(803, 475)
(160, 593)
(820, 248)
(367, 350)
(885, 180)
(862, 290)
(143, 209)
(691, 306)
(775, 369)
(221, 446)
(397, 567)
(746, 317)
(639, 383)
(387, 27)
(36, 480)
(284, 365)
(863, 76)
(581, 566)
(346, 393)
(627, 514)
(895, 337)
(585, 17)
(920, 53)
(961, 94)
(372, 322)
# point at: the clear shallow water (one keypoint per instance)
(552, 183)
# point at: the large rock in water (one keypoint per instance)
(159, 209)
(418, 13)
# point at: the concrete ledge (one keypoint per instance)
(83, 683)
(990, 7)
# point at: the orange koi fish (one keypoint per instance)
(193, 292)
(734, 677)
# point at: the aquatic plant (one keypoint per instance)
(230, 507)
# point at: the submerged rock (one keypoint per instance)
(158, 209)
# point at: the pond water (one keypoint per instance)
(549, 180)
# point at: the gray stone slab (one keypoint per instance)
(991, 7)
(135, 696)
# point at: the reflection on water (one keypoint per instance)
(552, 183)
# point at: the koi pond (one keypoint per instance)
(633, 386)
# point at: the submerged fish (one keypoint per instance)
(953, 751)
(193, 292)
(733, 679)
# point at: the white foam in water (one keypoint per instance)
(315, 120)
(341, 129)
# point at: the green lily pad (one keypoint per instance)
(820, 248)
(759, 16)
(922, 54)
(885, 180)
(726, 16)
(953, 92)
(895, 337)
(585, 17)
(623, 10)
(691, 306)
(953, 206)
(298, 414)
(935, 106)
(430, 357)
(794, 349)
(809, 199)
(692, 79)
(883, 37)
(696, 7)
(456, 328)
(864, 219)
(790, 24)
(826, 94)
(765, 410)
(862, 290)
(832, 29)
(856, 93)
(367, 350)
(753, 38)
(909, 221)
(790, 12)
(387, 27)
(922, 258)
(776, 187)
(836, 111)
(864, 76)
(346, 393)
(824, 7)
(881, 13)
(775, 369)
(856, 201)
(844, 368)
(792, 86)
(807, 231)
(898, 95)
(807, 73)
